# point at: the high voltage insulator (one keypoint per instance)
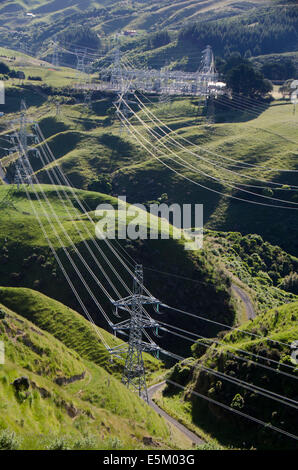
(134, 371)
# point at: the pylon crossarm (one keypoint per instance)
(127, 301)
(143, 321)
(118, 352)
(149, 347)
(124, 325)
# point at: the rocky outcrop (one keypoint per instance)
(44, 393)
(21, 384)
(69, 380)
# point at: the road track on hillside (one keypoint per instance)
(189, 434)
(249, 308)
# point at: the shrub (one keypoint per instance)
(114, 443)
(9, 440)
(237, 402)
(58, 443)
(290, 283)
(87, 442)
(36, 79)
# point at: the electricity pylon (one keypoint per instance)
(22, 166)
(84, 77)
(134, 376)
(55, 55)
(122, 87)
(20, 145)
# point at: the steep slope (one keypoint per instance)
(28, 262)
(249, 25)
(280, 325)
(67, 401)
(266, 272)
(263, 135)
(67, 326)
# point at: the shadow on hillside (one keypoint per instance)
(240, 109)
(14, 96)
(275, 225)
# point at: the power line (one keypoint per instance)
(128, 125)
(264, 338)
(228, 346)
(222, 157)
(235, 411)
(216, 164)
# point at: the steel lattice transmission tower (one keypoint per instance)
(84, 77)
(20, 141)
(134, 376)
(122, 88)
(55, 54)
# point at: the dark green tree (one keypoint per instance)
(244, 79)
(4, 69)
(101, 185)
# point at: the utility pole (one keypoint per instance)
(120, 81)
(134, 376)
(116, 78)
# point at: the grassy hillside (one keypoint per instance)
(263, 270)
(103, 19)
(83, 142)
(28, 262)
(149, 15)
(67, 326)
(228, 429)
(69, 402)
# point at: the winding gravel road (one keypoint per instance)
(192, 436)
(250, 311)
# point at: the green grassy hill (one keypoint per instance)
(149, 15)
(251, 20)
(75, 399)
(263, 270)
(68, 327)
(69, 402)
(28, 262)
(86, 142)
(280, 325)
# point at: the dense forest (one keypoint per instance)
(263, 32)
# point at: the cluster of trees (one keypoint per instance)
(159, 39)
(5, 71)
(241, 77)
(269, 30)
(282, 70)
(102, 184)
(81, 36)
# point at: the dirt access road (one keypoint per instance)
(192, 436)
(250, 311)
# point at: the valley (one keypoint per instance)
(136, 342)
